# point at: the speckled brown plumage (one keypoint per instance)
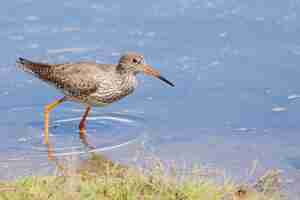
(90, 83)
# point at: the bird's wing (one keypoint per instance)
(77, 79)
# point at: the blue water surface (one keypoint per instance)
(235, 65)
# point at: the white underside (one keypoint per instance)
(89, 102)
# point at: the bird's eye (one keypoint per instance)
(134, 60)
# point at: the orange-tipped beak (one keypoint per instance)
(153, 72)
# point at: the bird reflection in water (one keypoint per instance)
(67, 165)
(83, 139)
(92, 163)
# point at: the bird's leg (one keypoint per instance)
(82, 129)
(82, 122)
(51, 157)
(50, 152)
(48, 109)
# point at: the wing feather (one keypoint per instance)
(75, 79)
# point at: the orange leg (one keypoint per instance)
(51, 157)
(50, 152)
(82, 122)
(48, 109)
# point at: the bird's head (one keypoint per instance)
(134, 62)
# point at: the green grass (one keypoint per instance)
(100, 178)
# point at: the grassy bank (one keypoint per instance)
(100, 178)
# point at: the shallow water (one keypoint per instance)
(234, 64)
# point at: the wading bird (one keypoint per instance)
(90, 83)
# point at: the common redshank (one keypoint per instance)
(89, 83)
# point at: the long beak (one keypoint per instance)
(153, 72)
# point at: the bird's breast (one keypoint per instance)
(113, 90)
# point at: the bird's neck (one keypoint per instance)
(127, 80)
(121, 69)
(127, 77)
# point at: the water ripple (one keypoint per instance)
(104, 132)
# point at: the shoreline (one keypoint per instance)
(100, 178)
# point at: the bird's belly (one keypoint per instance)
(95, 102)
(110, 97)
(102, 97)
(91, 101)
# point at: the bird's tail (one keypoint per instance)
(38, 69)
